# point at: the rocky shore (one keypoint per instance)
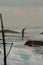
(34, 43)
(41, 33)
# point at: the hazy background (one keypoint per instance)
(19, 13)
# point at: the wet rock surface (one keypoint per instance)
(34, 43)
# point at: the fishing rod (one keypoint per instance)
(25, 26)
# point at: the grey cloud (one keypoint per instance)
(22, 3)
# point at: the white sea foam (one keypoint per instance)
(21, 54)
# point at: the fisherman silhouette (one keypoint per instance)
(23, 33)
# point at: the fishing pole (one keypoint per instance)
(25, 26)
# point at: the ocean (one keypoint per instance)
(21, 54)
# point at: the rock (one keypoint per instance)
(41, 33)
(34, 43)
(0, 52)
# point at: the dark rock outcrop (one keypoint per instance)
(34, 43)
(9, 31)
(41, 33)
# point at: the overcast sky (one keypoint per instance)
(19, 13)
(21, 3)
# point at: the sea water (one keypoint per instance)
(21, 54)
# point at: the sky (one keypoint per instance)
(20, 13)
(23, 3)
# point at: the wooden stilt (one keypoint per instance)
(4, 47)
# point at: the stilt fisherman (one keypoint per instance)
(23, 33)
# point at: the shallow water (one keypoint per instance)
(21, 54)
